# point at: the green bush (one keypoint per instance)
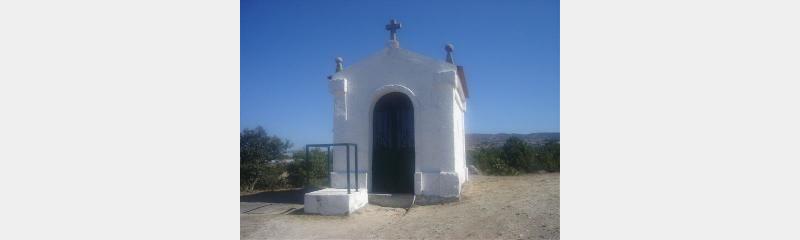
(258, 172)
(516, 156)
(490, 161)
(548, 156)
(311, 173)
(257, 148)
(275, 177)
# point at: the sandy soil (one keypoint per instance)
(492, 207)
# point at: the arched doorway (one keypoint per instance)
(393, 144)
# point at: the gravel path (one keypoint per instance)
(492, 207)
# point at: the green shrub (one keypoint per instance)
(548, 156)
(490, 161)
(274, 177)
(257, 148)
(498, 166)
(297, 174)
(263, 177)
(311, 173)
(516, 156)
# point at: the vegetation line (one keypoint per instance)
(266, 163)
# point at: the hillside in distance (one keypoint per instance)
(484, 139)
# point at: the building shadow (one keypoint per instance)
(294, 196)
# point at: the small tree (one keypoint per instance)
(548, 156)
(256, 149)
(518, 154)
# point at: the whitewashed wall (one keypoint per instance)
(432, 86)
(460, 138)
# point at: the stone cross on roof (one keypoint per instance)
(392, 27)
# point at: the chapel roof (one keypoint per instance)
(392, 54)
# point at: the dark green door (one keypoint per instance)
(393, 145)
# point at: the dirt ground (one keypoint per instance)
(492, 207)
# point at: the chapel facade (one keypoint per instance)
(405, 111)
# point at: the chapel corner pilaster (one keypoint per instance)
(338, 88)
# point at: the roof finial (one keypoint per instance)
(449, 49)
(339, 66)
(392, 27)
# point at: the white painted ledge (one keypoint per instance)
(334, 201)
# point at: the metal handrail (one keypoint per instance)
(330, 160)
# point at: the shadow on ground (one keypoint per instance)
(283, 196)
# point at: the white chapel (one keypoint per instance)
(405, 111)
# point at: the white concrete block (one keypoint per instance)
(334, 201)
(433, 187)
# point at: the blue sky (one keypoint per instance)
(509, 49)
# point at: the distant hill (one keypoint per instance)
(480, 139)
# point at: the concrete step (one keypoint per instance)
(395, 200)
(334, 201)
